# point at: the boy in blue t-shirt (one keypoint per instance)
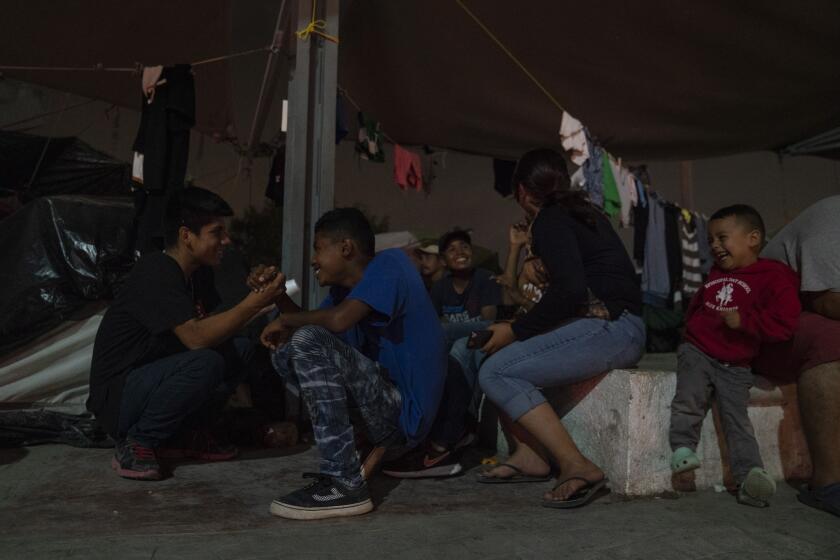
(375, 349)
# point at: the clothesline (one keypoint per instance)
(346, 95)
(137, 68)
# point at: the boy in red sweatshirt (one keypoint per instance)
(745, 301)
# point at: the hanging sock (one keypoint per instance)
(612, 202)
(408, 173)
(573, 139)
(369, 144)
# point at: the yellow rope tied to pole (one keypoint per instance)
(510, 55)
(315, 27)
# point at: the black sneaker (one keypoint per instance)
(135, 461)
(425, 462)
(323, 498)
(197, 444)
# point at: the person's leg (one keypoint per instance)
(819, 405)
(572, 353)
(732, 393)
(691, 399)
(156, 400)
(334, 377)
(451, 420)
(158, 396)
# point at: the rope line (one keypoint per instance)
(99, 67)
(510, 55)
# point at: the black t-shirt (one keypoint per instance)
(579, 259)
(137, 328)
(461, 308)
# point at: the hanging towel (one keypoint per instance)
(703, 243)
(433, 163)
(369, 143)
(612, 202)
(593, 177)
(656, 283)
(692, 273)
(573, 139)
(408, 172)
(619, 174)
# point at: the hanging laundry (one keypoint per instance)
(641, 192)
(673, 248)
(369, 144)
(341, 126)
(612, 202)
(619, 175)
(164, 140)
(641, 218)
(656, 282)
(503, 176)
(573, 139)
(408, 173)
(275, 189)
(149, 81)
(433, 163)
(592, 174)
(703, 243)
(137, 168)
(692, 276)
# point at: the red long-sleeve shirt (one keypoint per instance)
(766, 294)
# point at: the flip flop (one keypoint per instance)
(516, 478)
(580, 498)
(825, 498)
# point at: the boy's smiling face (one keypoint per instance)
(458, 255)
(329, 259)
(734, 244)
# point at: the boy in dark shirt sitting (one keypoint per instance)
(745, 301)
(374, 350)
(159, 356)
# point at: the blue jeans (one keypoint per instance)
(338, 384)
(584, 348)
(160, 396)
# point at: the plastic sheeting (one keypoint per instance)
(54, 370)
(57, 254)
(37, 166)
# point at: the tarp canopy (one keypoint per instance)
(651, 79)
(34, 166)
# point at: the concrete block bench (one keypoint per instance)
(620, 420)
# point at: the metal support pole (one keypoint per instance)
(322, 141)
(295, 252)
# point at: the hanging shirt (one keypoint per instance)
(656, 282)
(408, 172)
(612, 202)
(592, 175)
(692, 275)
(573, 139)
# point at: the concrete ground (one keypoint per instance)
(63, 502)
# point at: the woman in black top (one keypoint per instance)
(586, 323)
